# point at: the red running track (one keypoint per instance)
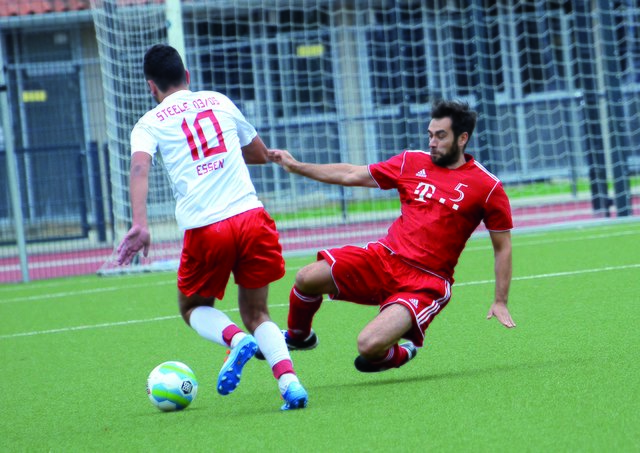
(90, 261)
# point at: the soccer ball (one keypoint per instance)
(172, 386)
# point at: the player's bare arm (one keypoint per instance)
(341, 174)
(255, 152)
(139, 186)
(138, 237)
(501, 241)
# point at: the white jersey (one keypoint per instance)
(199, 136)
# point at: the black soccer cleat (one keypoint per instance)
(364, 366)
(295, 345)
(301, 345)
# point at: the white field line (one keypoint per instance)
(164, 318)
(530, 241)
(470, 248)
(474, 246)
(84, 292)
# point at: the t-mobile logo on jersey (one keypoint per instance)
(426, 191)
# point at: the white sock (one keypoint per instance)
(285, 380)
(271, 343)
(209, 322)
(236, 338)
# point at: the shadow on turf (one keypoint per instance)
(399, 373)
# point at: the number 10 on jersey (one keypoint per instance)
(203, 119)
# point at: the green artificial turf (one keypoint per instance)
(76, 352)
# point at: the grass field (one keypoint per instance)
(76, 353)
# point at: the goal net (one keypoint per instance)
(556, 86)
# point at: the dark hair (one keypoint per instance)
(163, 65)
(463, 119)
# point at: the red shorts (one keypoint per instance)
(246, 245)
(375, 276)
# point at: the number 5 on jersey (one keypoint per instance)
(424, 191)
(204, 119)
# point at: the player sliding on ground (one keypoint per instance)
(444, 194)
(206, 144)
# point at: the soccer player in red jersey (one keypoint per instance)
(444, 195)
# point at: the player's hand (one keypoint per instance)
(501, 312)
(283, 158)
(138, 238)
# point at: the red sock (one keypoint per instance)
(396, 357)
(302, 308)
(282, 367)
(229, 332)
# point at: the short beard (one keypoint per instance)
(449, 158)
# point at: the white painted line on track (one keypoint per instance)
(164, 318)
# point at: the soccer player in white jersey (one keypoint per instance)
(206, 143)
(444, 195)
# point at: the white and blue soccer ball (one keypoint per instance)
(172, 386)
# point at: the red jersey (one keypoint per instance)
(440, 208)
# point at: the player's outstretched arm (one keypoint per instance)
(138, 237)
(501, 242)
(341, 174)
